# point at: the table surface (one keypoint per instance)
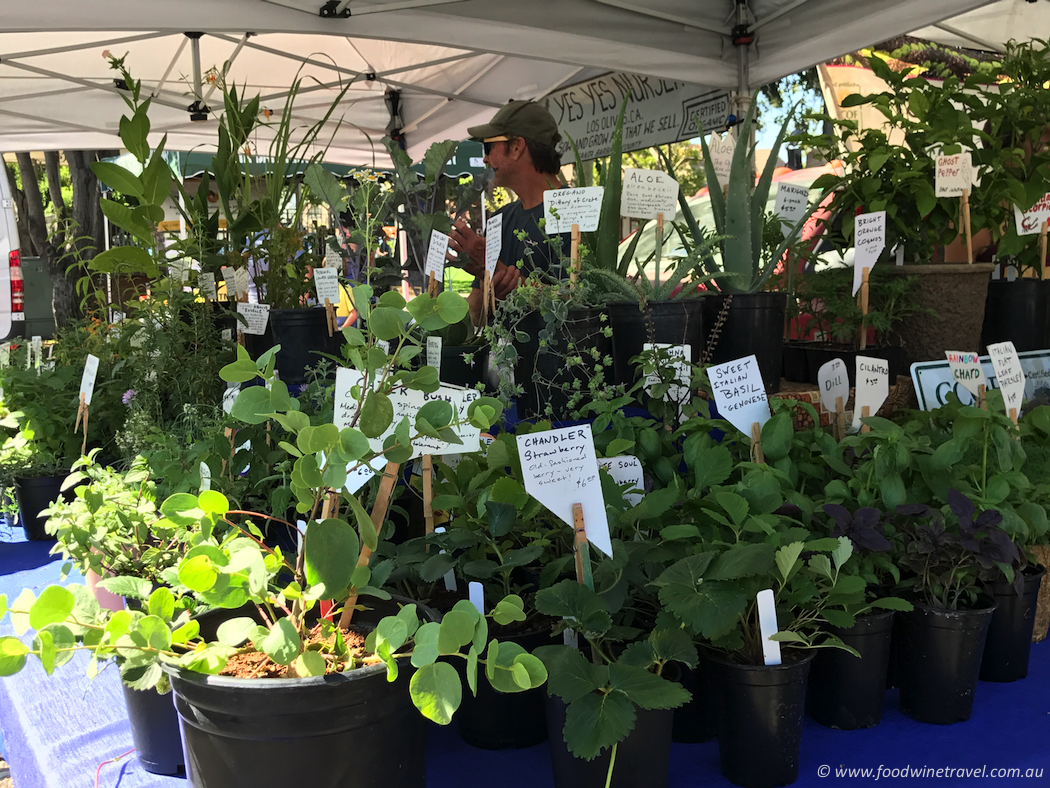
(58, 730)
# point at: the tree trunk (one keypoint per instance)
(52, 169)
(24, 239)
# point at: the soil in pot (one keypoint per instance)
(642, 759)
(750, 323)
(847, 692)
(760, 710)
(155, 731)
(1018, 312)
(35, 494)
(940, 656)
(677, 322)
(1009, 642)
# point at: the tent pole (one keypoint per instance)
(742, 38)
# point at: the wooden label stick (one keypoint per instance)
(1042, 249)
(583, 556)
(659, 244)
(840, 418)
(1013, 416)
(329, 316)
(432, 285)
(965, 213)
(382, 505)
(86, 412)
(982, 401)
(863, 296)
(80, 412)
(864, 413)
(757, 455)
(428, 493)
(486, 285)
(574, 254)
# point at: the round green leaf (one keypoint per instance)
(162, 603)
(436, 692)
(182, 509)
(213, 502)
(451, 306)
(352, 443)
(282, 644)
(376, 414)
(331, 549)
(252, 405)
(12, 655)
(386, 323)
(198, 573)
(53, 606)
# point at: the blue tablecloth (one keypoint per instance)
(58, 730)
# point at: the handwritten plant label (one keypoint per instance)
(326, 281)
(722, 147)
(561, 469)
(967, 370)
(767, 625)
(648, 193)
(178, 270)
(257, 316)
(740, 395)
(359, 475)
(87, 380)
(833, 380)
(626, 470)
(791, 205)
(954, 174)
(434, 353)
(1008, 373)
(406, 404)
(873, 386)
(229, 276)
(869, 239)
(1031, 222)
(206, 280)
(332, 258)
(562, 208)
(493, 242)
(436, 255)
(241, 282)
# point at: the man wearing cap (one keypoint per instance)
(520, 147)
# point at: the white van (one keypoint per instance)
(12, 287)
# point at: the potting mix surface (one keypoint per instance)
(57, 730)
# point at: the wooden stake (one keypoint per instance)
(428, 494)
(574, 255)
(982, 400)
(432, 285)
(840, 419)
(964, 206)
(82, 411)
(329, 316)
(864, 413)
(1013, 416)
(382, 505)
(862, 297)
(1042, 249)
(659, 245)
(583, 556)
(757, 455)
(486, 296)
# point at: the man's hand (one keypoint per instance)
(469, 246)
(505, 279)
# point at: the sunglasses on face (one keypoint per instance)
(487, 144)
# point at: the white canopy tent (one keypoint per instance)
(991, 26)
(453, 61)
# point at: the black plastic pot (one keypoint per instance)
(302, 335)
(351, 730)
(666, 322)
(458, 372)
(695, 721)
(155, 731)
(1017, 311)
(1009, 641)
(795, 362)
(544, 376)
(34, 494)
(846, 692)
(754, 324)
(760, 710)
(503, 721)
(642, 759)
(940, 656)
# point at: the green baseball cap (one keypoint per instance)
(520, 119)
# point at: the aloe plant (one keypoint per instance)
(740, 215)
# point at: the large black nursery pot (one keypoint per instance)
(695, 721)
(1017, 311)
(155, 730)
(940, 656)
(642, 759)
(846, 692)
(678, 322)
(455, 370)
(544, 375)
(502, 721)
(760, 710)
(351, 730)
(745, 324)
(34, 494)
(302, 335)
(1009, 643)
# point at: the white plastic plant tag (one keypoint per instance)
(38, 351)
(206, 280)
(493, 242)
(740, 395)
(569, 638)
(257, 316)
(954, 174)
(300, 531)
(241, 282)
(332, 259)
(898, 252)
(767, 624)
(326, 281)
(560, 469)
(722, 147)
(434, 353)
(226, 334)
(229, 276)
(1030, 222)
(967, 370)
(833, 380)
(873, 386)
(477, 596)
(450, 575)
(626, 470)
(436, 255)
(383, 345)
(1009, 376)
(790, 206)
(648, 193)
(205, 476)
(87, 380)
(230, 396)
(1011, 273)
(562, 208)
(869, 239)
